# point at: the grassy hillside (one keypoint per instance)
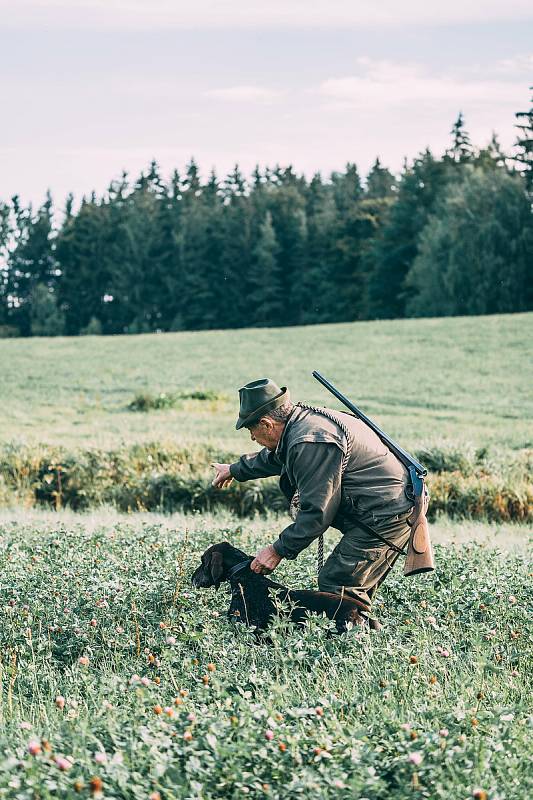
(460, 380)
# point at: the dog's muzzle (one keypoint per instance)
(200, 580)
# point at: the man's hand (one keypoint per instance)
(223, 478)
(265, 561)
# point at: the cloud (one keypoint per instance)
(255, 14)
(516, 65)
(384, 84)
(245, 94)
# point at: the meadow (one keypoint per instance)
(119, 680)
(134, 422)
(429, 381)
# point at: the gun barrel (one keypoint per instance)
(398, 451)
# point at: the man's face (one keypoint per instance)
(266, 432)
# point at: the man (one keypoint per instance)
(345, 477)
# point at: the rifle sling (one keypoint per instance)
(417, 482)
(372, 532)
(418, 489)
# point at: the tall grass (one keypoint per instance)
(152, 477)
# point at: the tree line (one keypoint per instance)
(450, 235)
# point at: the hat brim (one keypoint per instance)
(255, 416)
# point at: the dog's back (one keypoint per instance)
(342, 610)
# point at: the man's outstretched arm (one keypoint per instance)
(253, 465)
(263, 464)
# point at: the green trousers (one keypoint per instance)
(360, 563)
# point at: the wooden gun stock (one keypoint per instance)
(419, 551)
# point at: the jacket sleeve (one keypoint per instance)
(316, 467)
(256, 465)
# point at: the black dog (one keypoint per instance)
(253, 603)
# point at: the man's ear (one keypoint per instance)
(217, 568)
(266, 422)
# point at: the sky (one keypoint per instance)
(89, 88)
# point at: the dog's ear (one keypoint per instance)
(216, 567)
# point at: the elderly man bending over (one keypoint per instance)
(308, 451)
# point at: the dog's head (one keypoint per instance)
(216, 564)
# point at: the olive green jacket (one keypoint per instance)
(375, 485)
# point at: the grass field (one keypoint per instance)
(121, 681)
(118, 680)
(463, 380)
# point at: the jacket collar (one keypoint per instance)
(295, 413)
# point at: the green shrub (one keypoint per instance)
(202, 394)
(144, 401)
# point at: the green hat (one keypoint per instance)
(258, 398)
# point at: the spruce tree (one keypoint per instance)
(524, 145)
(265, 293)
(5, 235)
(287, 206)
(347, 284)
(347, 189)
(201, 242)
(165, 254)
(5, 227)
(190, 185)
(395, 247)
(380, 182)
(318, 273)
(138, 255)
(46, 318)
(85, 285)
(174, 277)
(31, 261)
(235, 253)
(461, 149)
(234, 185)
(491, 156)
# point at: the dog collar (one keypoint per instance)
(238, 567)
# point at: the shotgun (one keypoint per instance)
(419, 552)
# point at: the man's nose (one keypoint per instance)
(252, 437)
